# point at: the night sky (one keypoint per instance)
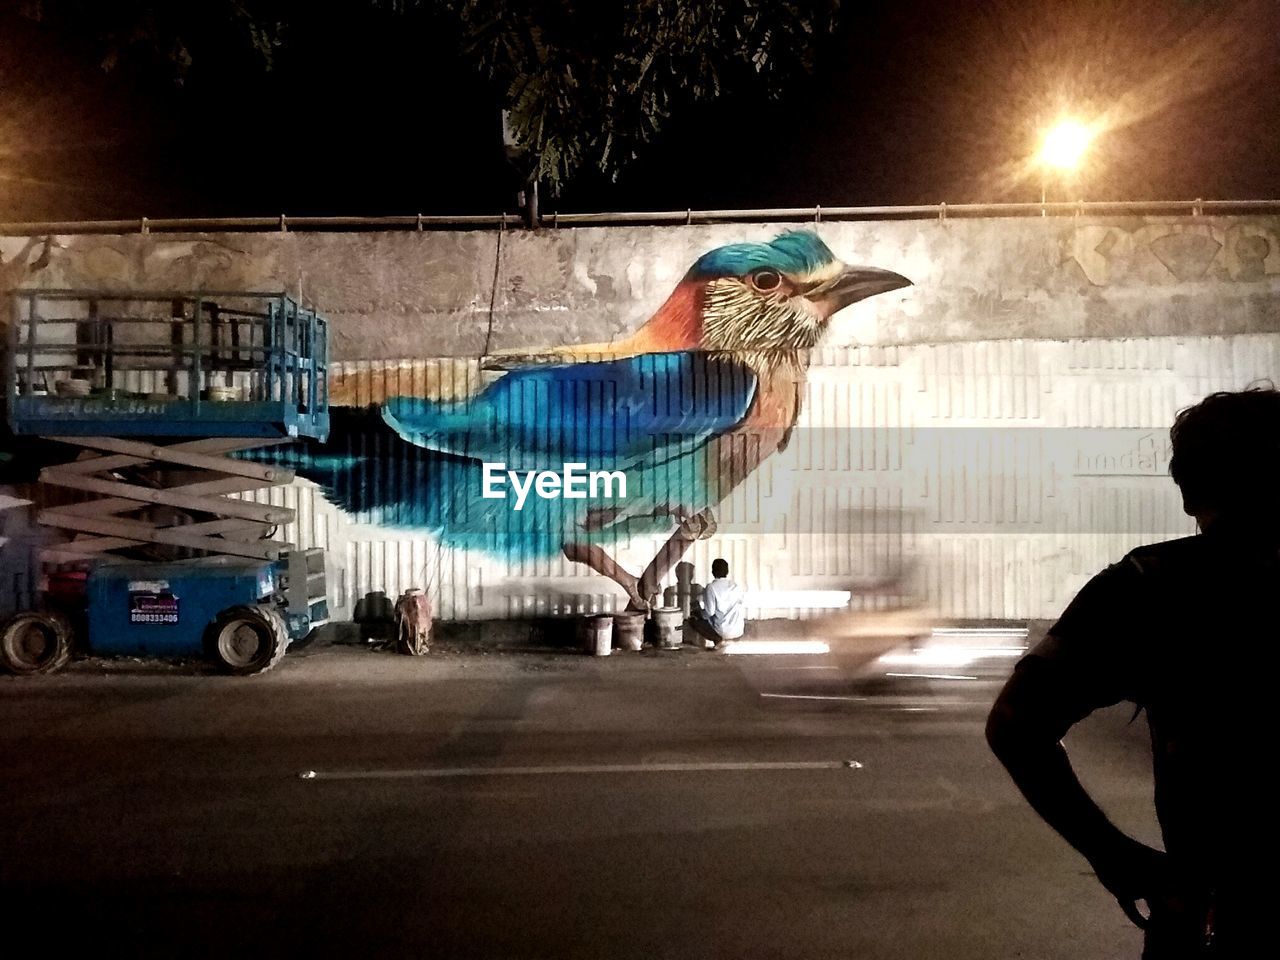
(911, 102)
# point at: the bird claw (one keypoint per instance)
(700, 526)
(635, 601)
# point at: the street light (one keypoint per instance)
(1062, 149)
(1064, 144)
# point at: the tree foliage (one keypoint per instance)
(585, 83)
(589, 83)
(168, 31)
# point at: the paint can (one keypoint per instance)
(597, 635)
(668, 623)
(629, 630)
(685, 587)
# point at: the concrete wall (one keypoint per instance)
(1000, 427)
(399, 295)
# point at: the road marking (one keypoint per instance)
(442, 773)
(809, 696)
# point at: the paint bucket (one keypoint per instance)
(597, 635)
(668, 624)
(684, 587)
(629, 629)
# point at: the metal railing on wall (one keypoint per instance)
(284, 223)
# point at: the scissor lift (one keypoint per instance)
(161, 395)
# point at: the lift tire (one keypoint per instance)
(35, 641)
(282, 628)
(248, 639)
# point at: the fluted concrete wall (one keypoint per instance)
(999, 429)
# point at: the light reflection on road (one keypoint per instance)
(900, 659)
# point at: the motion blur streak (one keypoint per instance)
(776, 647)
(930, 676)
(805, 599)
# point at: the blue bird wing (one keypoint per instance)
(616, 414)
(419, 464)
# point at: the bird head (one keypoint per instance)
(779, 295)
(759, 297)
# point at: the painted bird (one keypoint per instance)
(685, 408)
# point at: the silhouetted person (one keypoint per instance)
(1187, 630)
(723, 615)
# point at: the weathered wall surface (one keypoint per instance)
(431, 294)
(1000, 428)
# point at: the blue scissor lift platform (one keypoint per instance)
(161, 394)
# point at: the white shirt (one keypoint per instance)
(722, 606)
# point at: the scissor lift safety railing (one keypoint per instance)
(159, 392)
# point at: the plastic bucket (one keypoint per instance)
(668, 624)
(597, 635)
(629, 630)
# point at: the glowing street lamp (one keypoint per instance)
(1062, 150)
(1064, 145)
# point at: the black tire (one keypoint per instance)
(247, 640)
(282, 628)
(35, 641)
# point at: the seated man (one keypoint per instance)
(722, 614)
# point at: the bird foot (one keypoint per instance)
(599, 561)
(635, 601)
(701, 526)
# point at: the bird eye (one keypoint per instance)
(766, 281)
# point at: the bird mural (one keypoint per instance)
(665, 422)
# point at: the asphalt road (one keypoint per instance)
(537, 805)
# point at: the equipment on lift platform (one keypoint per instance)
(159, 392)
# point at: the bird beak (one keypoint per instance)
(853, 284)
